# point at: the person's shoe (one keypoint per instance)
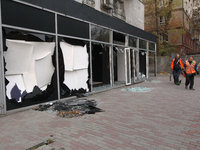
(192, 89)
(186, 87)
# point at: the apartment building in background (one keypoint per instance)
(185, 23)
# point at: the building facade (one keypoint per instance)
(183, 33)
(52, 50)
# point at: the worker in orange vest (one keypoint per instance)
(176, 67)
(190, 69)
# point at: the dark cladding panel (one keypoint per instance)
(89, 13)
(35, 2)
(56, 5)
(102, 19)
(139, 33)
(116, 24)
(71, 27)
(74, 9)
(28, 17)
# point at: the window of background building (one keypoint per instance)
(162, 19)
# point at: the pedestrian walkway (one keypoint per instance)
(165, 118)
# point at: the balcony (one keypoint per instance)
(118, 9)
(89, 2)
(107, 4)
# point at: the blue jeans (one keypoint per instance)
(176, 74)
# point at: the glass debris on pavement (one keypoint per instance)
(70, 109)
(155, 81)
(137, 89)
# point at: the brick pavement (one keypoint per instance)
(166, 118)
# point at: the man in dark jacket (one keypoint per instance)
(176, 67)
(190, 69)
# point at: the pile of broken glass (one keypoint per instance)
(136, 89)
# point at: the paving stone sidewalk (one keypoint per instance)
(166, 118)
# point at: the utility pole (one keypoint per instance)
(156, 15)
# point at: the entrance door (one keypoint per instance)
(127, 56)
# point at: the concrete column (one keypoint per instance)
(111, 58)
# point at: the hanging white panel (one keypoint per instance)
(29, 81)
(68, 55)
(80, 58)
(18, 56)
(71, 79)
(82, 77)
(40, 50)
(44, 70)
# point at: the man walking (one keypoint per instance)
(176, 67)
(190, 70)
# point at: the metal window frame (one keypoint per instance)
(2, 75)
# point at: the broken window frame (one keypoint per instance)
(102, 32)
(102, 86)
(152, 46)
(132, 41)
(29, 32)
(142, 44)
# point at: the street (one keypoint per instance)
(165, 118)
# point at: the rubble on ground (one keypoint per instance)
(163, 73)
(70, 109)
(41, 145)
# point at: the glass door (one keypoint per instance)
(127, 66)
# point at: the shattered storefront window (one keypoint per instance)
(152, 46)
(119, 65)
(100, 66)
(30, 68)
(142, 44)
(132, 41)
(74, 67)
(118, 38)
(151, 64)
(142, 69)
(99, 33)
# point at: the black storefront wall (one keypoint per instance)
(18, 14)
(22, 15)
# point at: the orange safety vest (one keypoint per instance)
(180, 63)
(190, 68)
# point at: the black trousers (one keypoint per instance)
(190, 80)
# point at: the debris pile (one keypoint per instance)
(163, 73)
(136, 89)
(70, 109)
(38, 146)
